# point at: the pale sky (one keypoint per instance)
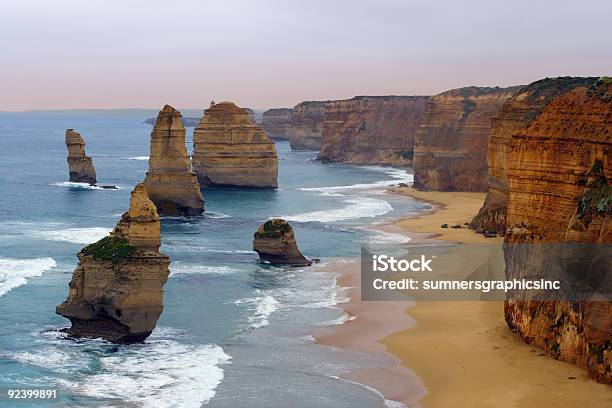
(144, 53)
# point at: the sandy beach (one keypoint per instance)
(453, 353)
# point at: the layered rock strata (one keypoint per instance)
(171, 184)
(116, 291)
(559, 219)
(514, 115)
(451, 145)
(80, 166)
(307, 125)
(371, 130)
(275, 244)
(277, 123)
(231, 150)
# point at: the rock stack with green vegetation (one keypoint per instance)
(274, 241)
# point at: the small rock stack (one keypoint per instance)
(80, 166)
(275, 243)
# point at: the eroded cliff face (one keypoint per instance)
(171, 184)
(514, 115)
(371, 130)
(274, 242)
(277, 123)
(80, 166)
(231, 150)
(450, 149)
(307, 125)
(116, 291)
(560, 213)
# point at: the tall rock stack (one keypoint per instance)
(277, 123)
(116, 291)
(231, 150)
(307, 125)
(171, 184)
(371, 130)
(80, 166)
(559, 212)
(450, 150)
(514, 115)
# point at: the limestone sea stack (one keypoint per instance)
(277, 123)
(514, 115)
(307, 125)
(116, 291)
(80, 166)
(171, 184)
(559, 171)
(231, 150)
(371, 130)
(275, 243)
(451, 145)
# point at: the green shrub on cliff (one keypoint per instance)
(109, 249)
(276, 228)
(406, 154)
(597, 198)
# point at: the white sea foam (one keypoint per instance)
(50, 358)
(389, 237)
(263, 307)
(215, 215)
(339, 321)
(77, 185)
(137, 158)
(15, 272)
(388, 403)
(179, 268)
(160, 373)
(399, 176)
(358, 207)
(76, 235)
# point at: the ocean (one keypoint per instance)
(233, 332)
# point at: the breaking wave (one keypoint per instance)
(162, 372)
(137, 158)
(178, 268)
(358, 207)
(76, 235)
(15, 272)
(399, 176)
(262, 306)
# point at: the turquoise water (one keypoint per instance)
(233, 332)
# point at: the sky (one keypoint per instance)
(65, 54)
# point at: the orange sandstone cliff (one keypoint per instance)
(371, 129)
(277, 123)
(559, 220)
(171, 184)
(80, 166)
(450, 149)
(231, 150)
(307, 125)
(116, 291)
(514, 115)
